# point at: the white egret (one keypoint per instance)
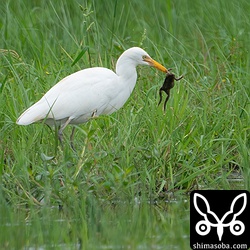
(89, 93)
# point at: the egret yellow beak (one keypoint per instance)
(155, 64)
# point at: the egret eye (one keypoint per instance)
(144, 57)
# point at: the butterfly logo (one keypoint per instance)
(203, 227)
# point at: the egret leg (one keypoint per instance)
(60, 132)
(60, 136)
(94, 114)
(73, 132)
(72, 139)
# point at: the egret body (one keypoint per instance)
(89, 92)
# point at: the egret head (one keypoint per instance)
(141, 57)
(132, 57)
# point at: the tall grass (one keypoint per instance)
(202, 141)
(201, 136)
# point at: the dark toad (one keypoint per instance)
(167, 86)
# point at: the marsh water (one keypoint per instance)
(93, 224)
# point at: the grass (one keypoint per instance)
(202, 141)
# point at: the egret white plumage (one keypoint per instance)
(89, 92)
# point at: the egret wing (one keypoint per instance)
(77, 95)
